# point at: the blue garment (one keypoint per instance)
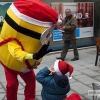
(61, 81)
(50, 89)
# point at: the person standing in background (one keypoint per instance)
(69, 26)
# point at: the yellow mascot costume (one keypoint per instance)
(24, 40)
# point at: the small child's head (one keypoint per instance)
(62, 68)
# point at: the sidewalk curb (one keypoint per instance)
(81, 48)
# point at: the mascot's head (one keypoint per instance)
(33, 18)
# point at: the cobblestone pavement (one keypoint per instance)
(85, 73)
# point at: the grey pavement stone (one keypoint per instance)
(0, 86)
(37, 70)
(2, 95)
(72, 80)
(85, 79)
(98, 63)
(21, 97)
(2, 78)
(92, 67)
(2, 90)
(38, 98)
(38, 93)
(42, 65)
(1, 72)
(21, 91)
(80, 88)
(98, 71)
(90, 85)
(20, 86)
(77, 66)
(20, 79)
(92, 53)
(92, 61)
(48, 59)
(23, 83)
(89, 72)
(82, 53)
(75, 73)
(38, 86)
(81, 62)
(4, 85)
(88, 97)
(97, 78)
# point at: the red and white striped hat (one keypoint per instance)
(35, 12)
(62, 67)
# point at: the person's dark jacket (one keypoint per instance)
(53, 88)
(70, 24)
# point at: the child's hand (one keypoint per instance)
(52, 70)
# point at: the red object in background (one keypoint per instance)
(73, 96)
(60, 28)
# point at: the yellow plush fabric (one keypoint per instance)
(16, 51)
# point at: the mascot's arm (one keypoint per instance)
(43, 51)
(16, 51)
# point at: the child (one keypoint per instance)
(55, 85)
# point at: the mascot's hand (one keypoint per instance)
(42, 52)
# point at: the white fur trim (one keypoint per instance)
(56, 68)
(59, 22)
(29, 19)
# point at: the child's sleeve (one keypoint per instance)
(68, 87)
(42, 76)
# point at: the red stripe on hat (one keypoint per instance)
(37, 9)
(64, 67)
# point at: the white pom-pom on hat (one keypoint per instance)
(59, 22)
(62, 68)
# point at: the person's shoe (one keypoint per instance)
(59, 58)
(75, 58)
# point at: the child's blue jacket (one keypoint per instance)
(50, 90)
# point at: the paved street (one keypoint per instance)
(84, 73)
